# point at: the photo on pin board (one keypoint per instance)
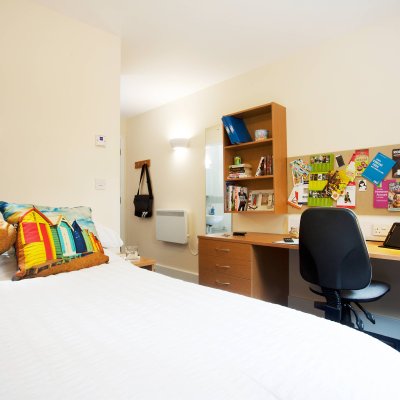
(394, 196)
(396, 166)
(362, 185)
(348, 198)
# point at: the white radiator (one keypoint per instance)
(171, 226)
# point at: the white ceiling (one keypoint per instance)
(172, 48)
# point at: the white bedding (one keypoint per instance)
(119, 332)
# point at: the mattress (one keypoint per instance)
(119, 332)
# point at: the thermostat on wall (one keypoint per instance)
(100, 140)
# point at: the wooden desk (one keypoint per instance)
(253, 265)
(375, 251)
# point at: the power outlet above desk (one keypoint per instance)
(367, 224)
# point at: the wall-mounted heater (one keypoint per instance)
(171, 226)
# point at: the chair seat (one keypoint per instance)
(373, 292)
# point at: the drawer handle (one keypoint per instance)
(222, 266)
(224, 250)
(222, 283)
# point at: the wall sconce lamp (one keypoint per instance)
(179, 143)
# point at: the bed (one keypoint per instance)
(118, 332)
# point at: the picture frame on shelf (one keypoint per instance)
(261, 200)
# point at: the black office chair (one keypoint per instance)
(333, 256)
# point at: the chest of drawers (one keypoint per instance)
(225, 266)
(246, 268)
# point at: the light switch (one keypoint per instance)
(100, 184)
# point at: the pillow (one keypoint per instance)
(108, 238)
(51, 240)
(8, 235)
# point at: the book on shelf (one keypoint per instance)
(240, 171)
(235, 198)
(261, 200)
(236, 130)
(269, 168)
(265, 166)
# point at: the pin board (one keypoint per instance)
(320, 168)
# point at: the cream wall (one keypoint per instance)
(124, 131)
(59, 86)
(341, 95)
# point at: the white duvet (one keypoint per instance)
(119, 332)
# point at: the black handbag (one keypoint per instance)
(144, 202)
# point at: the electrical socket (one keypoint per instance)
(380, 230)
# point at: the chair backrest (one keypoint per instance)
(332, 249)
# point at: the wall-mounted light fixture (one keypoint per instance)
(179, 143)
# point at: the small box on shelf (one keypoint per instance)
(260, 134)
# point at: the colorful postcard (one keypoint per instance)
(321, 162)
(394, 196)
(361, 160)
(378, 168)
(337, 183)
(351, 168)
(300, 171)
(299, 195)
(396, 167)
(348, 198)
(381, 194)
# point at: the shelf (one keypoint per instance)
(258, 143)
(271, 117)
(251, 178)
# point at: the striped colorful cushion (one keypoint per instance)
(53, 239)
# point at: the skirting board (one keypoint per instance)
(385, 325)
(177, 273)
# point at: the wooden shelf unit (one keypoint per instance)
(272, 117)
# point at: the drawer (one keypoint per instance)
(225, 282)
(226, 258)
(226, 266)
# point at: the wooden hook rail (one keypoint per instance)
(139, 164)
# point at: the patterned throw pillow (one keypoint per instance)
(51, 240)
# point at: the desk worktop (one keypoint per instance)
(254, 238)
(269, 239)
(375, 251)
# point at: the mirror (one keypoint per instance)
(216, 220)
